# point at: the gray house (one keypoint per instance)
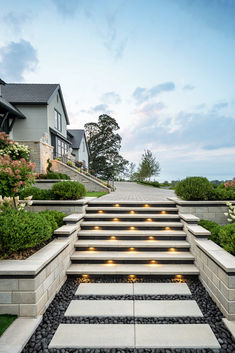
(35, 115)
(79, 145)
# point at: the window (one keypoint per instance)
(59, 147)
(58, 121)
(62, 147)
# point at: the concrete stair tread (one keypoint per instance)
(135, 269)
(194, 336)
(129, 255)
(129, 224)
(147, 209)
(133, 243)
(129, 202)
(136, 232)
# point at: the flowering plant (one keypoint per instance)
(6, 202)
(13, 149)
(14, 175)
(230, 183)
(231, 212)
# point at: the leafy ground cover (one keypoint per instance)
(5, 322)
(221, 235)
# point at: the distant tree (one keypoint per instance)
(104, 145)
(149, 166)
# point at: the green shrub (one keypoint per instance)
(55, 217)
(68, 190)
(213, 227)
(227, 237)
(156, 184)
(222, 235)
(194, 188)
(37, 194)
(53, 175)
(21, 230)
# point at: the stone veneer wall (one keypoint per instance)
(216, 266)
(90, 183)
(40, 152)
(28, 286)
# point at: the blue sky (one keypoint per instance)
(164, 69)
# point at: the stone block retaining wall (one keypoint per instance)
(210, 210)
(28, 286)
(66, 206)
(216, 266)
(91, 184)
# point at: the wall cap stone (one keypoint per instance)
(197, 230)
(18, 333)
(74, 217)
(63, 202)
(189, 217)
(66, 229)
(35, 263)
(225, 260)
(181, 202)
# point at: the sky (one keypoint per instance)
(164, 69)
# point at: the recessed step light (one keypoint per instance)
(132, 228)
(113, 238)
(167, 228)
(97, 228)
(146, 205)
(149, 220)
(116, 205)
(100, 211)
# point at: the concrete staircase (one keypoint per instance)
(132, 238)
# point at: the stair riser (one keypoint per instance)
(133, 262)
(125, 277)
(131, 219)
(142, 212)
(132, 237)
(142, 248)
(123, 227)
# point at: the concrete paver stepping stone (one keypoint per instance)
(176, 336)
(93, 336)
(100, 308)
(161, 289)
(166, 308)
(105, 289)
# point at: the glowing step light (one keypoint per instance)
(171, 249)
(153, 262)
(113, 238)
(131, 249)
(163, 212)
(110, 262)
(116, 205)
(132, 212)
(132, 228)
(100, 211)
(91, 249)
(97, 228)
(151, 238)
(146, 205)
(115, 219)
(167, 228)
(149, 220)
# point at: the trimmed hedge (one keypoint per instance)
(199, 188)
(20, 230)
(221, 235)
(68, 190)
(156, 184)
(53, 175)
(194, 188)
(63, 190)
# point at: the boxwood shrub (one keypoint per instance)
(194, 188)
(21, 230)
(37, 194)
(53, 175)
(68, 190)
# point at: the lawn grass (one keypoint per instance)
(5, 321)
(96, 194)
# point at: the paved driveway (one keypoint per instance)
(133, 191)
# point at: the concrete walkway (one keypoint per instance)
(137, 192)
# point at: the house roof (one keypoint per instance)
(32, 93)
(77, 137)
(8, 107)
